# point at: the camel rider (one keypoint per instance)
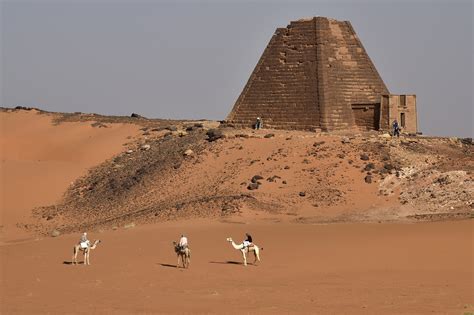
(183, 242)
(84, 242)
(248, 240)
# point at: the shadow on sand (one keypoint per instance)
(70, 262)
(228, 262)
(167, 265)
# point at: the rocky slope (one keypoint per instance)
(186, 170)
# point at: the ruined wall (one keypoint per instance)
(403, 105)
(309, 77)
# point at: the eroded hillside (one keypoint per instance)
(185, 171)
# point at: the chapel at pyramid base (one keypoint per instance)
(316, 75)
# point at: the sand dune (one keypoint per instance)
(39, 160)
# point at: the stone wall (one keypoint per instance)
(309, 77)
(398, 106)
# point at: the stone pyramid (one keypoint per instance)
(311, 76)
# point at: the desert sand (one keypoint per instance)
(423, 268)
(39, 160)
(307, 266)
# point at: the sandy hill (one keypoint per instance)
(153, 171)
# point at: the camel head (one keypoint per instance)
(229, 239)
(95, 244)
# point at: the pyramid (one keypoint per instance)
(314, 74)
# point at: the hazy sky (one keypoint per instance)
(191, 59)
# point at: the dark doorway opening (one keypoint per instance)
(367, 116)
(402, 120)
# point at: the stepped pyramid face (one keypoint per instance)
(313, 74)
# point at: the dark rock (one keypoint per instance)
(284, 182)
(269, 135)
(364, 157)
(23, 108)
(273, 178)
(252, 186)
(198, 125)
(369, 167)
(317, 144)
(172, 128)
(302, 194)
(467, 141)
(256, 178)
(189, 128)
(133, 115)
(388, 166)
(286, 167)
(368, 179)
(214, 134)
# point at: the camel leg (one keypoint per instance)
(245, 258)
(177, 264)
(256, 252)
(74, 256)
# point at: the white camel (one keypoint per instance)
(246, 249)
(87, 252)
(183, 253)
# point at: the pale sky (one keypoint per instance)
(191, 59)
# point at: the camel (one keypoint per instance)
(245, 250)
(86, 251)
(184, 254)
